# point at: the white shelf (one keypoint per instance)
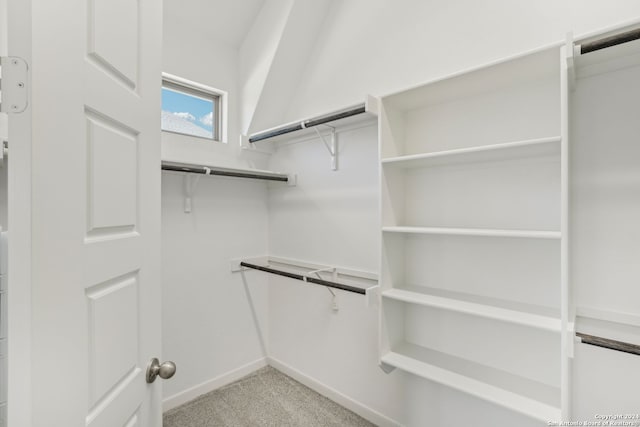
(519, 149)
(531, 398)
(480, 232)
(446, 301)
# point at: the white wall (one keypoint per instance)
(330, 218)
(212, 323)
(273, 56)
(381, 46)
(256, 56)
(190, 54)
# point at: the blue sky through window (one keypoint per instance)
(185, 110)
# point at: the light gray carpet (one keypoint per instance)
(266, 397)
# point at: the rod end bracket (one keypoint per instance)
(386, 368)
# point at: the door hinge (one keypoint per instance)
(13, 84)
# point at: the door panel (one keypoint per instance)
(113, 38)
(113, 308)
(112, 177)
(96, 221)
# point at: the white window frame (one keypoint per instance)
(218, 96)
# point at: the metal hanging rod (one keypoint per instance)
(304, 278)
(293, 127)
(609, 343)
(218, 171)
(613, 40)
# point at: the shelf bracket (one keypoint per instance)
(334, 274)
(190, 185)
(332, 146)
(254, 148)
(13, 85)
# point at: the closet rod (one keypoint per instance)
(305, 278)
(293, 127)
(236, 173)
(609, 343)
(606, 42)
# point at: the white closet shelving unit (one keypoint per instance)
(473, 265)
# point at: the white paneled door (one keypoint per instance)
(95, 99)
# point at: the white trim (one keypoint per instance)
(4, 25)
(566, 338)
(479, 232)
(212, 384)
(359, 408)
(181, 81)
(19, 302)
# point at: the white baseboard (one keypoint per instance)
(214, 383)
(364, 411)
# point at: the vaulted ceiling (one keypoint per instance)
(227, 21)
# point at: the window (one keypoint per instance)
(190, 109)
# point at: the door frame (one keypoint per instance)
(18, 33)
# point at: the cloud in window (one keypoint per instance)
(186, 116)
(207, 119)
